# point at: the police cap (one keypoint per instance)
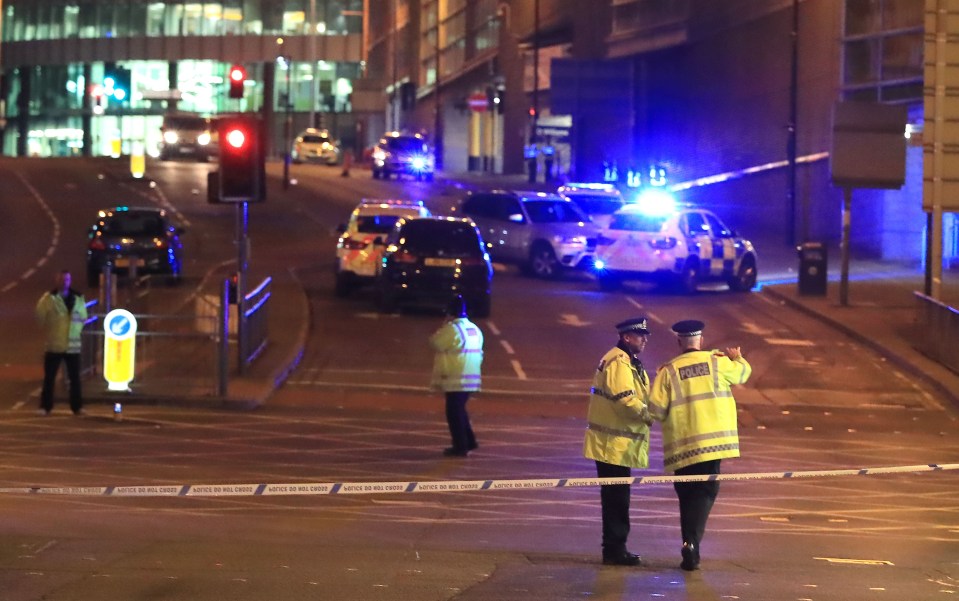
(688, 327)
(638, 324)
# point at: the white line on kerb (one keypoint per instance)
(507, 347)
(518, 369)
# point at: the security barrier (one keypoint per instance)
(370, 488)
(936, 330)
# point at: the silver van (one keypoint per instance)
(542, 233)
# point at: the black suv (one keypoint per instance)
(129, 236)
(429, 260)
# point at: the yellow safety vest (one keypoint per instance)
(61, 327)
(459, 356)
(692, 397)
(617, 430)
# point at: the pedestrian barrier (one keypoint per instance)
(368, 488)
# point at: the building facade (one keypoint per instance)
(301, 56)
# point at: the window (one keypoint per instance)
(696, 225)
(717, 228)
(553, 211)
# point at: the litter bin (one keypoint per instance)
(812, 269)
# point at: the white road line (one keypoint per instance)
(655, 318)
(634, 303)
(9, 287)
(492, 328)
(789, 342)
(518, 369)
(507, 347)
(28, 273)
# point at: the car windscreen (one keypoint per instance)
(440, 238)
(376, 224)
(406, 144)
(311, 139)
(185, 123)
(596, 204)
(553, 211)
(637, 222)
(134, 224)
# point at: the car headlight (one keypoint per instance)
(170, 137)
(570, 240)
(379, 155)
(203, 139)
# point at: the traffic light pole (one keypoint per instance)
(242, 223)
(287, 128)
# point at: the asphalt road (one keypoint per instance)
(357, 410)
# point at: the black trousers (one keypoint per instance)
(459, 421)
(696, 500)
(51, 364)
(614, 500)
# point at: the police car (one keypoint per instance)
(597, 200)
(359, 250)
(683, 246)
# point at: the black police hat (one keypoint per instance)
(638, 324)
(688, 327)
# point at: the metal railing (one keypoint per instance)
(937, 329)
(254, 328)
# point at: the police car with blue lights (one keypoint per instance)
(654, 239)
(359, 249)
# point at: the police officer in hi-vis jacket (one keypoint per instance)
(617, 432)
(693, 398)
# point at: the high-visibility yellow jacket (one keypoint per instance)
(459, 356)
(692, 397)
(617, 430)
(61, 326)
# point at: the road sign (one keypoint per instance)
(119, 348)
(478, 102)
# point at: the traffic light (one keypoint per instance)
(116, 83)
(242, 173)
(237, 77)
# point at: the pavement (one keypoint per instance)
(880, 312)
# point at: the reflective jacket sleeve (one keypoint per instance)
(446, 338)
(659, 395)
(734, 372)
(43, 309)
(626, 391)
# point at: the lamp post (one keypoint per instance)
(313, 81)
(438, 117)
(534, 117)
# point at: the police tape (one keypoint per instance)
(366, 488)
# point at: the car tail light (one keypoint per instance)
(404, 257)
(351, 244)
(471, 261)
(663, 243)
(97, 244)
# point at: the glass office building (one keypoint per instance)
(66, 64)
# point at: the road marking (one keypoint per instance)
(789, 342)
(858, 562)
(492, 328)
(518, 369)
(751, 328)
(507, 347)
(571, 319)
(9, 287)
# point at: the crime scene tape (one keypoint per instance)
(366, 488)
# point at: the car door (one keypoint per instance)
(698, 239)
(723, 260)
(491, 216)
(513, 226)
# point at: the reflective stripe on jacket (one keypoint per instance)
(617, 430)
(692, 397)
(459, 356)
(61, 327)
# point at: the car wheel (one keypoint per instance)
(343, 285)
(746, 276)
(608, 282)
(689, 277)
(542, 261)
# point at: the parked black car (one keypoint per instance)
(134, 236)
(429, 260)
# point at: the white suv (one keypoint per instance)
(681, 246)
(359, 250)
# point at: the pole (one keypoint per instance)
(438, 122)
(844, 246)
(534, 121)
(395, 113)
(791, 143)
(313, 82)
(935, 230)
(287, 127)
(242, 222)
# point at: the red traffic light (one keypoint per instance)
(237, 76)
(236, 138)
